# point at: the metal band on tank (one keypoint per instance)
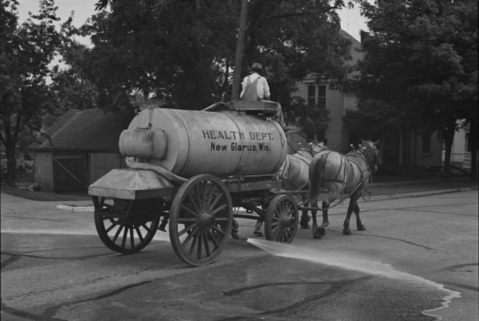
(188, 137)
(239, 166)
(283, 142)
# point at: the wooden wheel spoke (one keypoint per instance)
(188, 228)
(213, 239)
(205, 194)
(183, 207)
(193, 245)
(189, 238)
(275, 234)
(146, 227)
(216, 210)
(207, 247)
(140, 236)
(190, 198)
(211, 193)
(125, 234)
(117, 233)
(111, 227)
(199, 202)
(183, 220)
(199, 243)
(222, 219)
(213, 204)
(218, 230)
(132, 239)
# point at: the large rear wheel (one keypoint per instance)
(125, 226)
(200, 220)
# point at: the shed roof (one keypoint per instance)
(86, 130)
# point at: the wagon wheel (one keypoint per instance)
(127, 226)
(200, 219)
(281, 221)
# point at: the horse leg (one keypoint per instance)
(315, 221)
(321, 231)
(257, 228)
(359, 224)
(305, 220)
(353, 203)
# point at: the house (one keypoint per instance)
(406, 149)
(461, 150)
(337, 101)
(79, 148)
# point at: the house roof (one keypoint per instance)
(86, 130)
(354, 51)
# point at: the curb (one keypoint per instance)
(73, 208)
(417, 194)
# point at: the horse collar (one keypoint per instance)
(370, 163)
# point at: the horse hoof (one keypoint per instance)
(361, 228)
(321, 231)
(258, 233)
(317, 237)
(347, 232)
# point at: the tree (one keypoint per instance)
(182, 51)
(421, 58)
(25, 54)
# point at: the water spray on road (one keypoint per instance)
(355, 264)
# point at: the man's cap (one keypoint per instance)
(257, 66)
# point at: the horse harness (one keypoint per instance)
(343, 167)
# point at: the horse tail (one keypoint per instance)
(315, 179)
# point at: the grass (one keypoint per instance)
(42, 196)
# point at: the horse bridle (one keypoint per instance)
(371, 163)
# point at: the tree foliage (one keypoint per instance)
(25, 53)
(420, 65)
(183, 51)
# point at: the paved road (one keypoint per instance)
(417, 254)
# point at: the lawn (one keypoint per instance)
(42, 196)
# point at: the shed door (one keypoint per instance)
(69, 173)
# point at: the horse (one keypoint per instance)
(294, 172)
(344, 176)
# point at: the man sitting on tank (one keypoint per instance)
(256, 88)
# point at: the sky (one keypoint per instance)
(351, 20)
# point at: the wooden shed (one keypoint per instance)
(78, 149)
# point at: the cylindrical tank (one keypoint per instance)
(202, 142)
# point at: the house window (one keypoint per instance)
(311, 95)
(322, 96)
(468, 143)
(426, 144)
(317, 96)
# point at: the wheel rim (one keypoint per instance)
(281, 222)
(126, 226)
(200, 220)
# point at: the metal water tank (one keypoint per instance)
(188, 142)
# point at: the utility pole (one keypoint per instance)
(239, 51)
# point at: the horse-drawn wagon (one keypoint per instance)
(188, 170)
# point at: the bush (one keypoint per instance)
(25, 168)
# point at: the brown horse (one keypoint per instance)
(294, 172)
(343, 176)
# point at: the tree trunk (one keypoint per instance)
(473, 142)
(239, 51)
(448, 140)
(11, 165)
